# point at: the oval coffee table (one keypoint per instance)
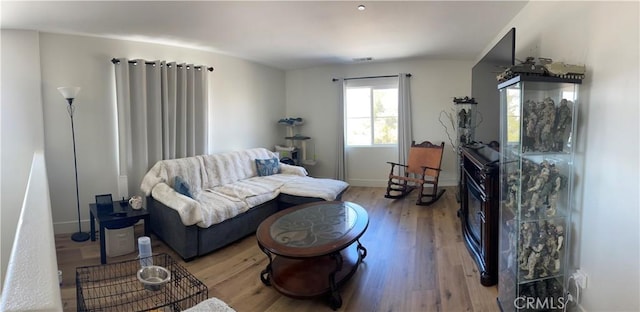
(311, 248)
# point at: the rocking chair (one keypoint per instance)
(423, 168)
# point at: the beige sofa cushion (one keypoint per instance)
(226, 168)
(216, 207)
(326, 189)
(250, 187)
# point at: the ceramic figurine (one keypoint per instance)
(135, 202)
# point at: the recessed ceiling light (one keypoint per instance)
(361, 7)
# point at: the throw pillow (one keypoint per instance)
(268, 167)
(181, 186)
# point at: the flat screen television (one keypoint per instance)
(484, 86)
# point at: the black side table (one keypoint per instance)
(115, 217)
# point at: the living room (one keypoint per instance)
(248, 98)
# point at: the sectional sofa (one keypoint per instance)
(202, 203)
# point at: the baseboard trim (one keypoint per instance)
(367, 182)
(383, 183)
(68, 227)
(71, 226)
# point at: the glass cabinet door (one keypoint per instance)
(537, 134)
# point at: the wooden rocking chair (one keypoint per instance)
(423, 168)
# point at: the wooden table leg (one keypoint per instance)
(335, 301)
(362, 252)
(265, 275)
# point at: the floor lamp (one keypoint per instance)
(70, 93)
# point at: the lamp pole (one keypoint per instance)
(69, 93)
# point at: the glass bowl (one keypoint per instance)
(154, 277)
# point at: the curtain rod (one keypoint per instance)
(369, 77)
(116, 61)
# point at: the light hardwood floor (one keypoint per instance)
(416, 261)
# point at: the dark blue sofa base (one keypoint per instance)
(192, 241)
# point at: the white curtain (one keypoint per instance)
(341, 163)
(162, 111)
(404, 117)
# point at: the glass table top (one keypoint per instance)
(314, 226)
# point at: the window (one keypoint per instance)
(513, 114)
(371, 112)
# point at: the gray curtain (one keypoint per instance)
(162, 114)
(404, 117)
(341, 163)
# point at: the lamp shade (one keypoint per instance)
(69, 92)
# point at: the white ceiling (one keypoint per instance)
(283, 34)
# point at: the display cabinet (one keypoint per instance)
(537, 142)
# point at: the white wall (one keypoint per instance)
(32, 273)
(604, 36)
(247, 99)
(312, 95)
(21, 125)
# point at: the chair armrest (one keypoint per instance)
(396, 164)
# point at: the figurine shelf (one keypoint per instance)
(537, 141)
(467, 120)
(461, 121)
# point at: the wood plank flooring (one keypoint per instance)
(416, 261)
